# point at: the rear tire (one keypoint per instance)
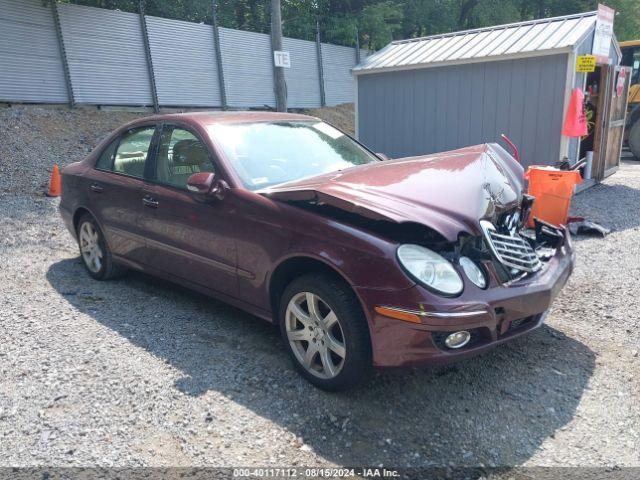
(328, 342)
(95, 254)
(634, 139)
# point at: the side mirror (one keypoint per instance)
(206, 185)
(382, 156)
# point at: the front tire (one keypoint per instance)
(325, 332)
(95, 254)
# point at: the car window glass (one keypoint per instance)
(105, 162)
(180, 155)
(268, 153)
(132, 151)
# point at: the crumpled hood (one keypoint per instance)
(449, 192)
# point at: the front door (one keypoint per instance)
(185, 237)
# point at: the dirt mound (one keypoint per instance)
(341, 116)
(33, 138)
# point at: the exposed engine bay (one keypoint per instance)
(513, 250)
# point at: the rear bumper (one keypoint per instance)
(67, 218)
(507, 313)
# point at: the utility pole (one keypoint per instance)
(216, 39)
(147, 50)
(276, 45)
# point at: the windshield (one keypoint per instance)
(265, 154)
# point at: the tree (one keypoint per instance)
(378, 21)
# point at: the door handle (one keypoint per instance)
(149, 201)
(96, 187)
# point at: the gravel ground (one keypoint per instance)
(34, 138)
(138, 372)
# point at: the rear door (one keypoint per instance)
(186, 237)
(115, 189)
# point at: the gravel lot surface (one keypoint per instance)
(138, 372)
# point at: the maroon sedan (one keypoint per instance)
(362, 262)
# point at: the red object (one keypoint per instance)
(575, 124)
(55, 184)
(246, 247)
(553, 190)
(514, 149)
(622, 76)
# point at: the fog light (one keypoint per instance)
(457, 339)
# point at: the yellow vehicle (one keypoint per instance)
(631, 58)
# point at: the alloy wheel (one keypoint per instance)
(315, 335)
(90, 247)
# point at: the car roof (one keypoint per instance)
(212, 117)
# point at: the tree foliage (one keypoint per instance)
(376, 22)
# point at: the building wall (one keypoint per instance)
(417, 112)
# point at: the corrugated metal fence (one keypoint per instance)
(105, 55)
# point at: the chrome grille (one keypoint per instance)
(512, 251)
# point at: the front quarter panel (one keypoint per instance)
(271, 232)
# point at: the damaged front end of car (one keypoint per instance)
(508, 249)
(466, 205)
(457, 222)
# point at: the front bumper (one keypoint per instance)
(508, 311)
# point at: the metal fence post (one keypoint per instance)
(147, 49)
(216, 38)
(63, 53)
(323, 101)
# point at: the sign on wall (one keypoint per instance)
(281, 59)
(586, 64)
(622, 76)
(603, 34)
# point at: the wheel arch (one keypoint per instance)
(77, 215)
(295, 266)
(80, 211)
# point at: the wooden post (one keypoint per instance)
(276, 44)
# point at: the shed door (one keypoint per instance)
(617, 91)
